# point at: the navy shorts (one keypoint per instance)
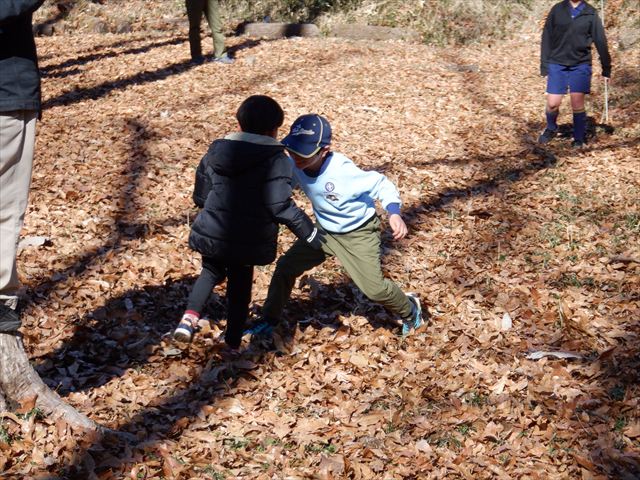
(576, 79)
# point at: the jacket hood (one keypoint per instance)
(239, 152)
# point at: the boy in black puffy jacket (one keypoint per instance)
(243, 185)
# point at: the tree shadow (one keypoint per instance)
(121, 334)
(141, 78)
(99, 91)
(536, 159)
(247, 44)
(128, 330)
(52, 71)
(100, 47)
(129, 333)
(477, 88)
(127, 228)
(162, 417)
(619, 379)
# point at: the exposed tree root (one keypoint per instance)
(19, 383)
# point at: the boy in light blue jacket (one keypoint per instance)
(343, 199)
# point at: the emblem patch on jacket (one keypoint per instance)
(329, 195)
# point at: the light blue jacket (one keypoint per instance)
(343, 196)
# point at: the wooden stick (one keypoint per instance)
(605, 108)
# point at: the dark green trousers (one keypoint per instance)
(211, 10)
(359, 254)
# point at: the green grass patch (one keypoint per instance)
(236, 443)
(552, 234)
(34, 412)
(465, 429)
(5, 436)
(620, 423)
(476, 399)
(320, 447)
(212, 473)
(632, 222)
(571, 279)
(390, 427)
(447, 441)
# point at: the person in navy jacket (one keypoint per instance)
(570, 30)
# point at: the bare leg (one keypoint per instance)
(577, 101)
(553, 102)
(552, 111)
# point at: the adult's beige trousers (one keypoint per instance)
(17, 137)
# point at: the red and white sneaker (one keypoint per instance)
(187, 328)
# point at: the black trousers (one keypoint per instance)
(239, 283)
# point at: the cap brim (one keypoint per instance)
(298, 149)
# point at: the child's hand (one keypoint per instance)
(398, 227)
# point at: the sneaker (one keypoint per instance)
(226, 59)
(415, 321)
(261, 327)
(547, 135)
(577, 144)
(197, 60)
(186, 328)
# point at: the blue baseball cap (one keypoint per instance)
(308, 134)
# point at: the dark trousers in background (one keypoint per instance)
(239, 283)
(211, 10)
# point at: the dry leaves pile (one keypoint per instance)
(515, 249)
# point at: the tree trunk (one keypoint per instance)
(19, 383)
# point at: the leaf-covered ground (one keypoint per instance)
(515, 249)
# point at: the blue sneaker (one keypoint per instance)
(261, 328)
(415, 321)
(225, 58)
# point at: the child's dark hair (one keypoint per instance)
(259, 114)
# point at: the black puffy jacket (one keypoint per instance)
(19, 76)
(243, 184)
